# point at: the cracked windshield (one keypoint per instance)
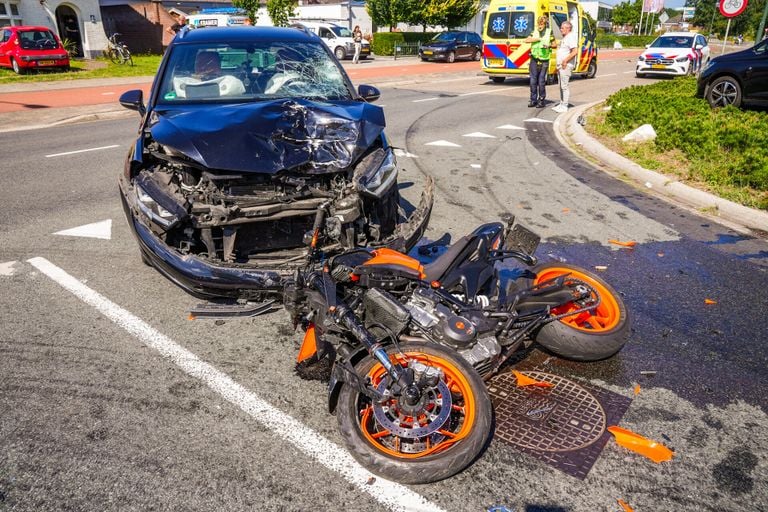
(232, 73)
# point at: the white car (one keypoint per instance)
(674, 53)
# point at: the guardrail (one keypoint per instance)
(403, 49)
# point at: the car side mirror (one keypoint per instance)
(133, 100)
(699, 46)
(368, 92)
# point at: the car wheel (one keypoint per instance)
(16, 68)
(498, 79)
(476, 55)
(451, 57)
(340, 53)
(724, 91)
(592, 69)
(639, 75)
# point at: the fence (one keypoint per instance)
(403, 49)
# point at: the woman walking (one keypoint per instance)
(357, 35)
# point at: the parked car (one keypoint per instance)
(674, 53)
(339, 39)
(247, 134)
(449, 46)
(737, 77)
(24, 48)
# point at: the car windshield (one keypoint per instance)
(37, 39)
(672, 42)
(341, 32)
(224, 73)
(446, 36)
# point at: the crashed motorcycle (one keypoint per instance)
(411, 344)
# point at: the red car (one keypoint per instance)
(24, 48)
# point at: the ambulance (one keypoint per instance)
(216, 18)
(509, 22)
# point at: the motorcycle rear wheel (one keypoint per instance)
(448, 449)
(589, 336)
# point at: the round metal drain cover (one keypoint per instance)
(562, 418)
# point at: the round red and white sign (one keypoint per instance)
(731, 8)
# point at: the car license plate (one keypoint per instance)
(658, 66)
(427, 52)
(46, 62)
(498, 63)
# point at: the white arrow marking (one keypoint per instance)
(536, 120)
(475, 166)
(509, 127)
(102, 230)
(6, 269)
(425, 99)
(479, 135)
(442, 143)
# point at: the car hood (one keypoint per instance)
(667, 53)
(268, 137)
(740, 55)
(439, 46)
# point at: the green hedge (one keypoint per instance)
(725, 147)
(384, 42)
(607, 40)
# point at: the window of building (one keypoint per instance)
(9, 13)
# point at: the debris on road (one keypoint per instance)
(630, 243)
(649, 448)
(625, 505)
(601, 267)
(524, 381)
(637, 389)
(648, 373)
(709, 301)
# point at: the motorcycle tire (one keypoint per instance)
(455, 435)
(589, 336)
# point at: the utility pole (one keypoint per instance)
(712, 23)
(760, 31)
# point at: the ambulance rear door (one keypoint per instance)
(507, 26)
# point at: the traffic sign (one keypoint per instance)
(731, 8)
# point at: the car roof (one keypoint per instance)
(28, 27)
(679, 34)
(242, 34)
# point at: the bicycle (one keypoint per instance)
(118, 52)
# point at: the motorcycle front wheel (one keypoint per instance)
(415, 444)
(587, 336)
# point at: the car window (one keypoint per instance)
(446, 37)
(700, 40)
(498, 25)
(475, 38)
(6, 36)
(760, 48)
(325, 33)
(672, 42)
(37, 39)
(342, 31)
(251, 72)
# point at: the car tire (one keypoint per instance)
(476, 55)
(451, 57)
(16, 68)
(639, 75)
(592, 69)
(340, 53)
(498, 79)
(724, 91)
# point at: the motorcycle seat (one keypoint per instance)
(437, 269)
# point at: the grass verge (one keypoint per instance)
(144, 65)
(720, 150)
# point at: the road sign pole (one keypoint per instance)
(760, 30)
(727, 28)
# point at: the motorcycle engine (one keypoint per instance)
(439, 323)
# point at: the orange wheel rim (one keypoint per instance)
(603, 318)
(459, 424)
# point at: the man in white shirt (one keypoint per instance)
(566, 60)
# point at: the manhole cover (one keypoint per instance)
(564, 417)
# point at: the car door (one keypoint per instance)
(5, 47)
(756, 72)
(461, 45)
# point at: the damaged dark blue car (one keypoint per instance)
(247, 132)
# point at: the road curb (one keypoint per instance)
(573, 136)
(110, 113)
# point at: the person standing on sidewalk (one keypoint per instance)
(357, 35)
(566, 60)
(541, 43)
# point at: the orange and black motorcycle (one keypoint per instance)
(412, 344)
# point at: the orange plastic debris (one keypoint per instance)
(309, 346)
(523, 381)
(660, 254)
(657, 452)
(710, 301)
(566, 210)
(637, 389)
(630, 243)
(625, 505)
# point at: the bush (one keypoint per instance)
(724, 147)
(384, 42)
(607, 40)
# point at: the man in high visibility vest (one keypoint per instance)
(541, 49)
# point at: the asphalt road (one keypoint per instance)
(95, 418)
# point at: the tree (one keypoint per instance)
(251, 8)
(448, 13)
(627, 13)
(281, 11)
(391, 12)
(708, 13)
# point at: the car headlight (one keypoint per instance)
(682, 59)
(153, 210)
(641, 58)
(378, 178)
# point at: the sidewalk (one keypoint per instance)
(738, 217)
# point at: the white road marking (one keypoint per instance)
(425, 99)
(102, 230)
(491, 91)
(390, 494)
(608, 74)
(509, 127)
(475, 166)
(83, 151)
(628, 72)
(536, 120)
(479, 135)
(442, 143)
(107, 93)
(6, 269)
(406, 154)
